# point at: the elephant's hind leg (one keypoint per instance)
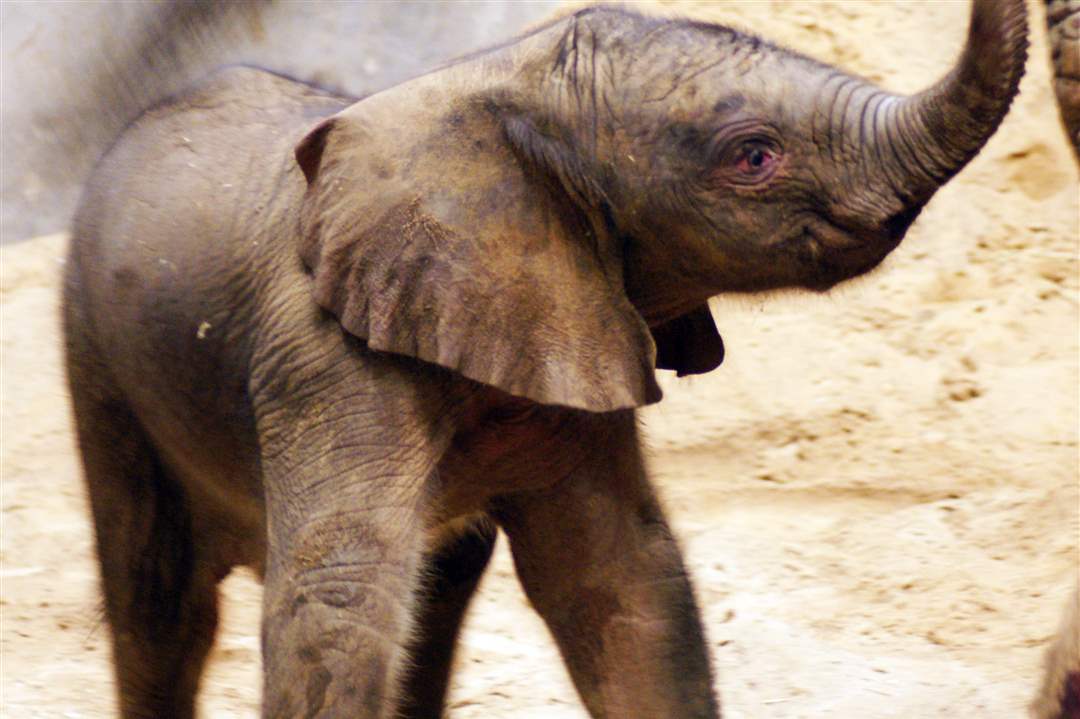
(453, 572)
(160, 596)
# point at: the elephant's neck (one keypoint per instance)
(657, 292)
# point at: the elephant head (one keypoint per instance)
(551, 216)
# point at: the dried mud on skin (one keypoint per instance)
(877, 492)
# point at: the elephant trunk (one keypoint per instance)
(946, 125)
(1063, 24)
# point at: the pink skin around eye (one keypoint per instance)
(756, 161)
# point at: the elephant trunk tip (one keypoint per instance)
(956, 116)
(997, 45)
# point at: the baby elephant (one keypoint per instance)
(342, 342)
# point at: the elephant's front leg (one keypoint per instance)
(452, 574)
(337, 608)
(346, 479)
(599, 563)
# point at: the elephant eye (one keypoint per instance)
(756, 161)
(747, 156)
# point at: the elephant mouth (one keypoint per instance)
(835, 253)
(830, 237)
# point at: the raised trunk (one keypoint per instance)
(943, 127)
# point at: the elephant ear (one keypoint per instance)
(689, 344)
(431, 238)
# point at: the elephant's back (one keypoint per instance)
(201, 188)
(222, 146)
(235, 112)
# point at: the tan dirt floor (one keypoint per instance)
(877, 492)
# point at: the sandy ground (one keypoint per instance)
(877, 493)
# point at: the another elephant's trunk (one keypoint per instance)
(945, 125)
(1063, 24)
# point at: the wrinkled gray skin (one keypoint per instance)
(343, 343)
(1058, 695)
(1063, 24)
